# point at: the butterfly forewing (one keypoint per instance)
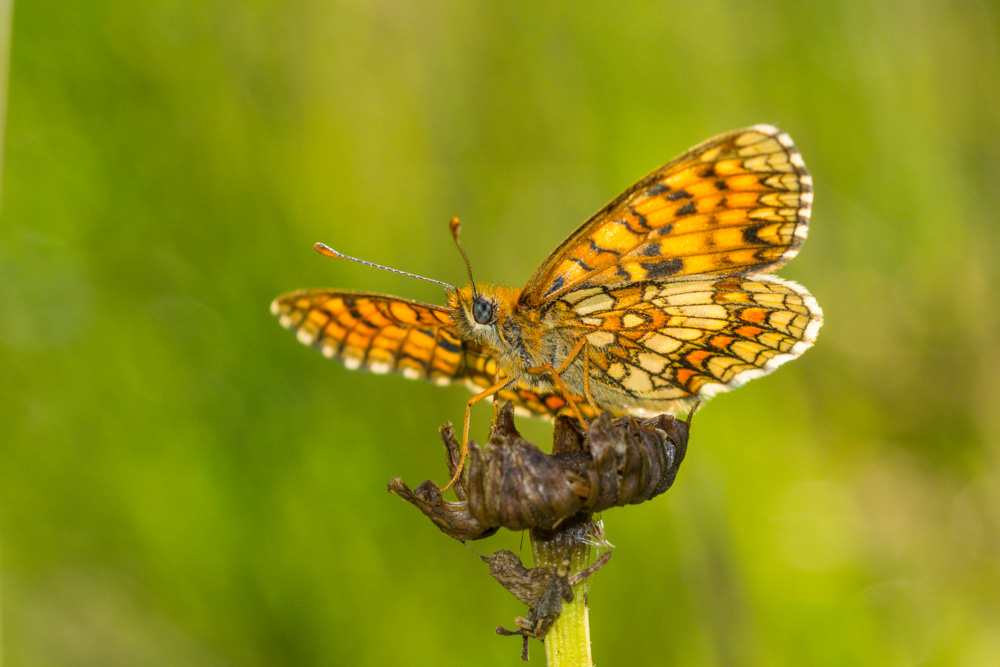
(738, 203)
(376, 332)
(385, 334)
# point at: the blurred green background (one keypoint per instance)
(181, 482)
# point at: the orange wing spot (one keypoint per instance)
(403, 312)
(707, 204)
(746, 256)
(443, 318)
(682, 178)
(679, 246)
(345, 319)
(745, 182)
(445, 359)
(747, 331)
(697, 357)
(367, 309)
(554, 402)
(742, 199)
(413, 352)
(728, 237)
(614, 237)
(729, 167)
(692, 224)
(356, 339)
(392, 334)
(721, 342)
(701, 263)
(755, 315)
(666, 216)
(731, 216)
(684, 375)
(572, 271)
(315, 319)
(649, 205)
(626, 297)
(770, 254)
(702, 189)
(421, 340)
(301, 304)
(382, 342)
(334, 331)
(768, 233)
(731, 297)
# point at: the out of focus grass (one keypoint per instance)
(181, 482)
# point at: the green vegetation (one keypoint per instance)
(181, 482)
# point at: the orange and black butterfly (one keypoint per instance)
(660, 299)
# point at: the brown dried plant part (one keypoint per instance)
(512, 484)
(542, 589)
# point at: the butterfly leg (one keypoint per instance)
(555, 373)
(586, 377)
(496, 403)
(465, 428)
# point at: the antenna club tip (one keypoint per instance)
(324, 249)
(454, 225)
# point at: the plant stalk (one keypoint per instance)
(567, 643)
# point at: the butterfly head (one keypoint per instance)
(475, 310)
(479, 313)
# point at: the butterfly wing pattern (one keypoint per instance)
(737, 203)
(668, 283)
(375, 332)
(669, 278)
(658, 346)
(387, 334)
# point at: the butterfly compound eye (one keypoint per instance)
(482, 310)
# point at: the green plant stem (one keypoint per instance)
(568, 642)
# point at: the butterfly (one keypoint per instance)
(662, 298)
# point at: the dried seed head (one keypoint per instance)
(512, 484)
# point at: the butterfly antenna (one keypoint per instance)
(455, 227)
(324, 249)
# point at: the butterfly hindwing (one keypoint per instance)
(659, 345)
